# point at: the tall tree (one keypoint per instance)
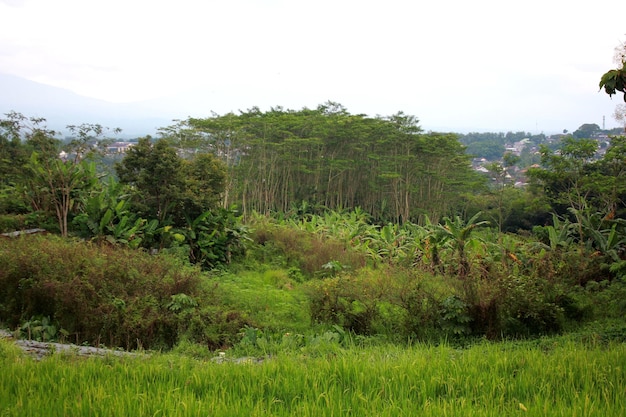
(155, 170)
(205, 178)
(330, 158)
(167, 187)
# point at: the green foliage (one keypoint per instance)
(181, 302)
(455, 318)
(155, 172)
(167, 187)
(269, 299)
(614, 80)
(307, 245)
(215, 237)
(102, 294)
(586, 131)
(513, 209)
(330, 158)
(12, 222)
(347, 301)
(332, 268)
(407, 306)
(384, 270)
(87, 141)
(525, 305)
(40, 329)
(459, 234)
(20, 136)
(558, 235)
(572, 179)
(106, 216)
(57, 186)
(489, 149)
(205, 181)
(513, 286)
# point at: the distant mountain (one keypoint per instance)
(62, 107)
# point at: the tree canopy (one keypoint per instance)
(330, 158)
(168, 187)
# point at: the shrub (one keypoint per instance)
(290, 247)
(12, 222)
(101, 294)
(398, 303)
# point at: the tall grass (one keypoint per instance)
(554, 378)
(270, 299)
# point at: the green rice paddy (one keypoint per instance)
(556, 377)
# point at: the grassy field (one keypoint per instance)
(546, 377)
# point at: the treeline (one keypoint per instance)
(202, 173)
(331, 159)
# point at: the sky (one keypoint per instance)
(456, 65)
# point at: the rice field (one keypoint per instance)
(504, 379)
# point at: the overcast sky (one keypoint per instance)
(456, 65)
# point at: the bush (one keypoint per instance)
(309, 252)
(101, 294)
(12, 222)
(394, 302)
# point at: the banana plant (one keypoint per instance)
(560, 233)
(214, 237)
(428, 243)
(459, 234)
(390, 243)
(106, 216)
(609, 242)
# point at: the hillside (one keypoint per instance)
(62, 107)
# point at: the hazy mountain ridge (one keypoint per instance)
(62, 107)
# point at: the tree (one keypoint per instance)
(155, 172)
(19, 137)
(586, 131)
(329, 158)
(610, 177)
(614, 81)
(31, 162)
(88, 140)
(578, 184)
(205, 179)
(563, 176)
(57, 185)
(490, 150)
(459, 234)
(12, 156)
(166, 186)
